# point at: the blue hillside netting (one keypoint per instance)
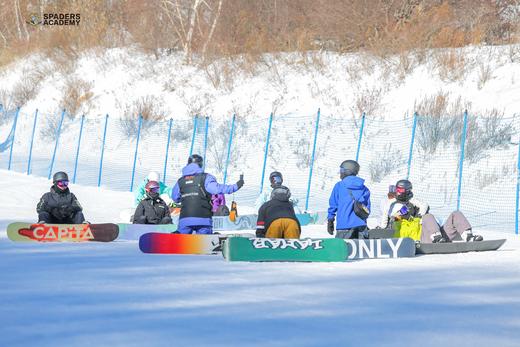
(489, 165)
(489, 172)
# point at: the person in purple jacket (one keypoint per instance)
(193, 190)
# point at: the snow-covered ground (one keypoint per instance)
(111, 294)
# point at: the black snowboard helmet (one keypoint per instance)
(60, 176)
(349, 168)
(197, 159)
(275, 178)
(403, 190)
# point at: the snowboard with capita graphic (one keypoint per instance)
(459, 247)
(133, 232)
(300, 250)
(27, 232)
(162, 243)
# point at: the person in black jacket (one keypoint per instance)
(152, 209)
(276, 217)
(60, 206)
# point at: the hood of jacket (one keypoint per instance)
(281, 193)
(353, 182)
(191, 169)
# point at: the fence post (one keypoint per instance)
(312, 160)
(266, 150)
(193, 135)
(58, 132)
(411, 144)
(205, 143)
(14, 136)
(77, 149)
(102, 151)
(517, 188)
(167, 149)
(32, 141)
(462, 145)
(139, 124)
(229, 147)
(360, 135)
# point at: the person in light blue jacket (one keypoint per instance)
(341, 202)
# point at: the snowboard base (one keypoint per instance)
(298, 250)
(381, 248)
(27, 232)
(459, 247)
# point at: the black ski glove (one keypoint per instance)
(330, 226)
(240, 182)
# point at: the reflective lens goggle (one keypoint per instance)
(154, 189)
(63, 183)
(400, 190)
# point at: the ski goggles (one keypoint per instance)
(400, 190)
(155, 189)
(276, 180)
(62, 184)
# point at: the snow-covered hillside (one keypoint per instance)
(485, 78)
(111, 294)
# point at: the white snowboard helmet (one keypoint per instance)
(153, 176)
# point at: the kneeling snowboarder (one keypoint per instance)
(59, 205)
(276, 217)
(152, 209)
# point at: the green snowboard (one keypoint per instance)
(262, 249)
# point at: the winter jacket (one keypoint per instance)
(342, 204)
(61, 204)
(278, 207)
(211, 186)
(153, 209)
(140, 192)
(416, 208)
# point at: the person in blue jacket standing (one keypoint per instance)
(193, 190)
(341, 202)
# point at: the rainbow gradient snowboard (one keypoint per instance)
(161, 243)
(27, 232)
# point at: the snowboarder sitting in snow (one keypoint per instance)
(276, 180)
(350, 199)
(276, 217)
(60, 206)
(193, 190)
(152, 209)
(164, 191)
(411, 218)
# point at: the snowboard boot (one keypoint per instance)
(470, 237)
(439, 239)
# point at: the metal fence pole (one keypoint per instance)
(58, 132)
(193, 135)
(205, 143)
(229, 147)
(411, 145)
(167, 149)
(461, 163)
(266, 150)
(32, 141)
(139, 124)
(312, 161)
(77, 149)
(360, 135)
(102, 151)
(517, 188)
(14, 135)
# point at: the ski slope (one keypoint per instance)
(110, 294)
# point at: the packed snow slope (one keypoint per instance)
(111, 294)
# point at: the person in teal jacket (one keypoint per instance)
(164, 190)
